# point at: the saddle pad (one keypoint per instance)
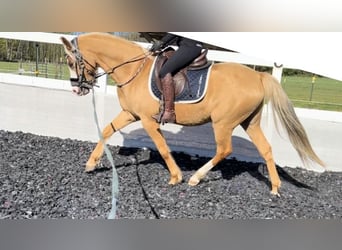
(194, 92)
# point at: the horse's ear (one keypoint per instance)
(68, 47)
(67, 44)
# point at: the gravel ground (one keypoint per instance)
(43, 177)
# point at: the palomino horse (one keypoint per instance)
(235, 96)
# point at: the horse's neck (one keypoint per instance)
(113, 52)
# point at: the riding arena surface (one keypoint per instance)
(43, 177)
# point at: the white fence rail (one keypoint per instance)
(54, 38)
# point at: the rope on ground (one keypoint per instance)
(145, 194)
(115, 179)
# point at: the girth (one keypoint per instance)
(180, 79)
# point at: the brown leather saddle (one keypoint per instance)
(180, 79)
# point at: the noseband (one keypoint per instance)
(82, 82)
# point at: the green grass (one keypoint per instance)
(323, 93)
(49, 70)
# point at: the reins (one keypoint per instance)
(124, 63)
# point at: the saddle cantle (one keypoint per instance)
(180, 79)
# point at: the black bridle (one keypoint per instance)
(82, 82)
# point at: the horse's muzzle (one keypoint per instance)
(80, 91)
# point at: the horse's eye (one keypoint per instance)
(91, 73)
(69, 61)
(70, 64)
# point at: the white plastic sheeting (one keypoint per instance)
(316, 52)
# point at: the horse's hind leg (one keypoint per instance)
(123, 119)
(223, 138)
(257, 136)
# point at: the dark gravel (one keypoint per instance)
(43, 177)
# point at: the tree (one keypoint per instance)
(2, 49)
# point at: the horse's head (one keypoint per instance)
(82, 71)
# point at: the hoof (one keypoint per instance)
(90, 165)
(275, 193)
(89, 168)
(175, 180)
(193, 181)
(274, 190)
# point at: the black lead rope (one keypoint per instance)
(145, 194)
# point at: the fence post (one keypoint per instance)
(312, 86)
(277, 71)
(37, 59)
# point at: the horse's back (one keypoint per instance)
(235, 72)
(234, 80)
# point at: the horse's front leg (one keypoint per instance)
(153, 130)
(123, 119)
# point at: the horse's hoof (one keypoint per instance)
(275, 193)
(89, 168)
(175, 180)
(193, 181)
(90, 165)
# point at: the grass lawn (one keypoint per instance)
(323, 93)
(49, 70)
